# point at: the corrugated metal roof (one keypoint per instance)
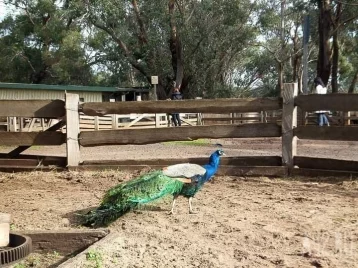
(29, 94)
(71, 88)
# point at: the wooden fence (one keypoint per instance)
(114, 121)
(68, 113)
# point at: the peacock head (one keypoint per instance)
(220, 152)
(215, 157)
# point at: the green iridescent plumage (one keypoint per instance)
(181, 179)
(123, 197)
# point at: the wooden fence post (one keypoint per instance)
(114, 121)
(347, 121)
(72, 130)
(157, 120)
(289, 122)
(96, 123)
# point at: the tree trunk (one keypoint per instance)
(335, 58)
(335, 62)
(38, 77)
(280, 63)
(353, 83)
(324, 28)
(175, 47)
(280, 77)
(296, 58)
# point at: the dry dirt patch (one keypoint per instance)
(257, 222)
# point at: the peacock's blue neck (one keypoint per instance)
(212, 166)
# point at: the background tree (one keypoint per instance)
(209, 48)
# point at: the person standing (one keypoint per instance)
(321, 89)
(176, 95)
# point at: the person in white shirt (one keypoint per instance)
(321, 89)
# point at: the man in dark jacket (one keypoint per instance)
(175, 116)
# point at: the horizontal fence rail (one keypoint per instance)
(279, 117)
(39, 159)
(325, 163)
(308, 172)
(33, 108)
(334, 102)
(147, 136)
(231, 161)
(185, 106)
(270, 171)
(337, 133)
(32, 138)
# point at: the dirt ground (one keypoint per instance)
(242, 222)
(233, 147)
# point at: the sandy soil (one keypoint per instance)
(256, 222)
(232, 147)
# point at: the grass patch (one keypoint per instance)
(95, 257)
(40, 260)
(198, 142)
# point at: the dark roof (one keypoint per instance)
(71, 88)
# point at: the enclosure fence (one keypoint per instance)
(287, 127)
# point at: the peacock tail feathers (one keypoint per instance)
(181, 179)
(126, 196)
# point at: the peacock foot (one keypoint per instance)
(171, 212)
(193, 212)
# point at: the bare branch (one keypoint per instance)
(122, 45)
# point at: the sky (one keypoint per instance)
(3, 9)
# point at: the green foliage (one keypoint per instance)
(42, 44)
(96, 257)
(229, 48)
(19, 265)
(198, 142)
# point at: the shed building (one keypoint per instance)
(14, 91)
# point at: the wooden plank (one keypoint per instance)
(323, 173)
(114, 121)
(289, 122)
(279, 171)
(21, 124)
(333, 102)
(72, 130)
(347, 120)
(325, 163)
(185, 106)
(256, 118)
(129, 124)
(155, 135)
(32, 138)
(32, 123)
(232, 161)
(79, 261)
(157, 120)
(44, 159)
(32, 108)
(276, 171)
(338, 133)
(19, 162)
(12, 169)
(96, 123)
(64, 242)
(12, 124)
(20, 149)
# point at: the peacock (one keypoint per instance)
(177, 180)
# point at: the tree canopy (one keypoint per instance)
(208, 48)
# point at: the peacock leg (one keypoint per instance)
(191, 207)
(173, 204)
